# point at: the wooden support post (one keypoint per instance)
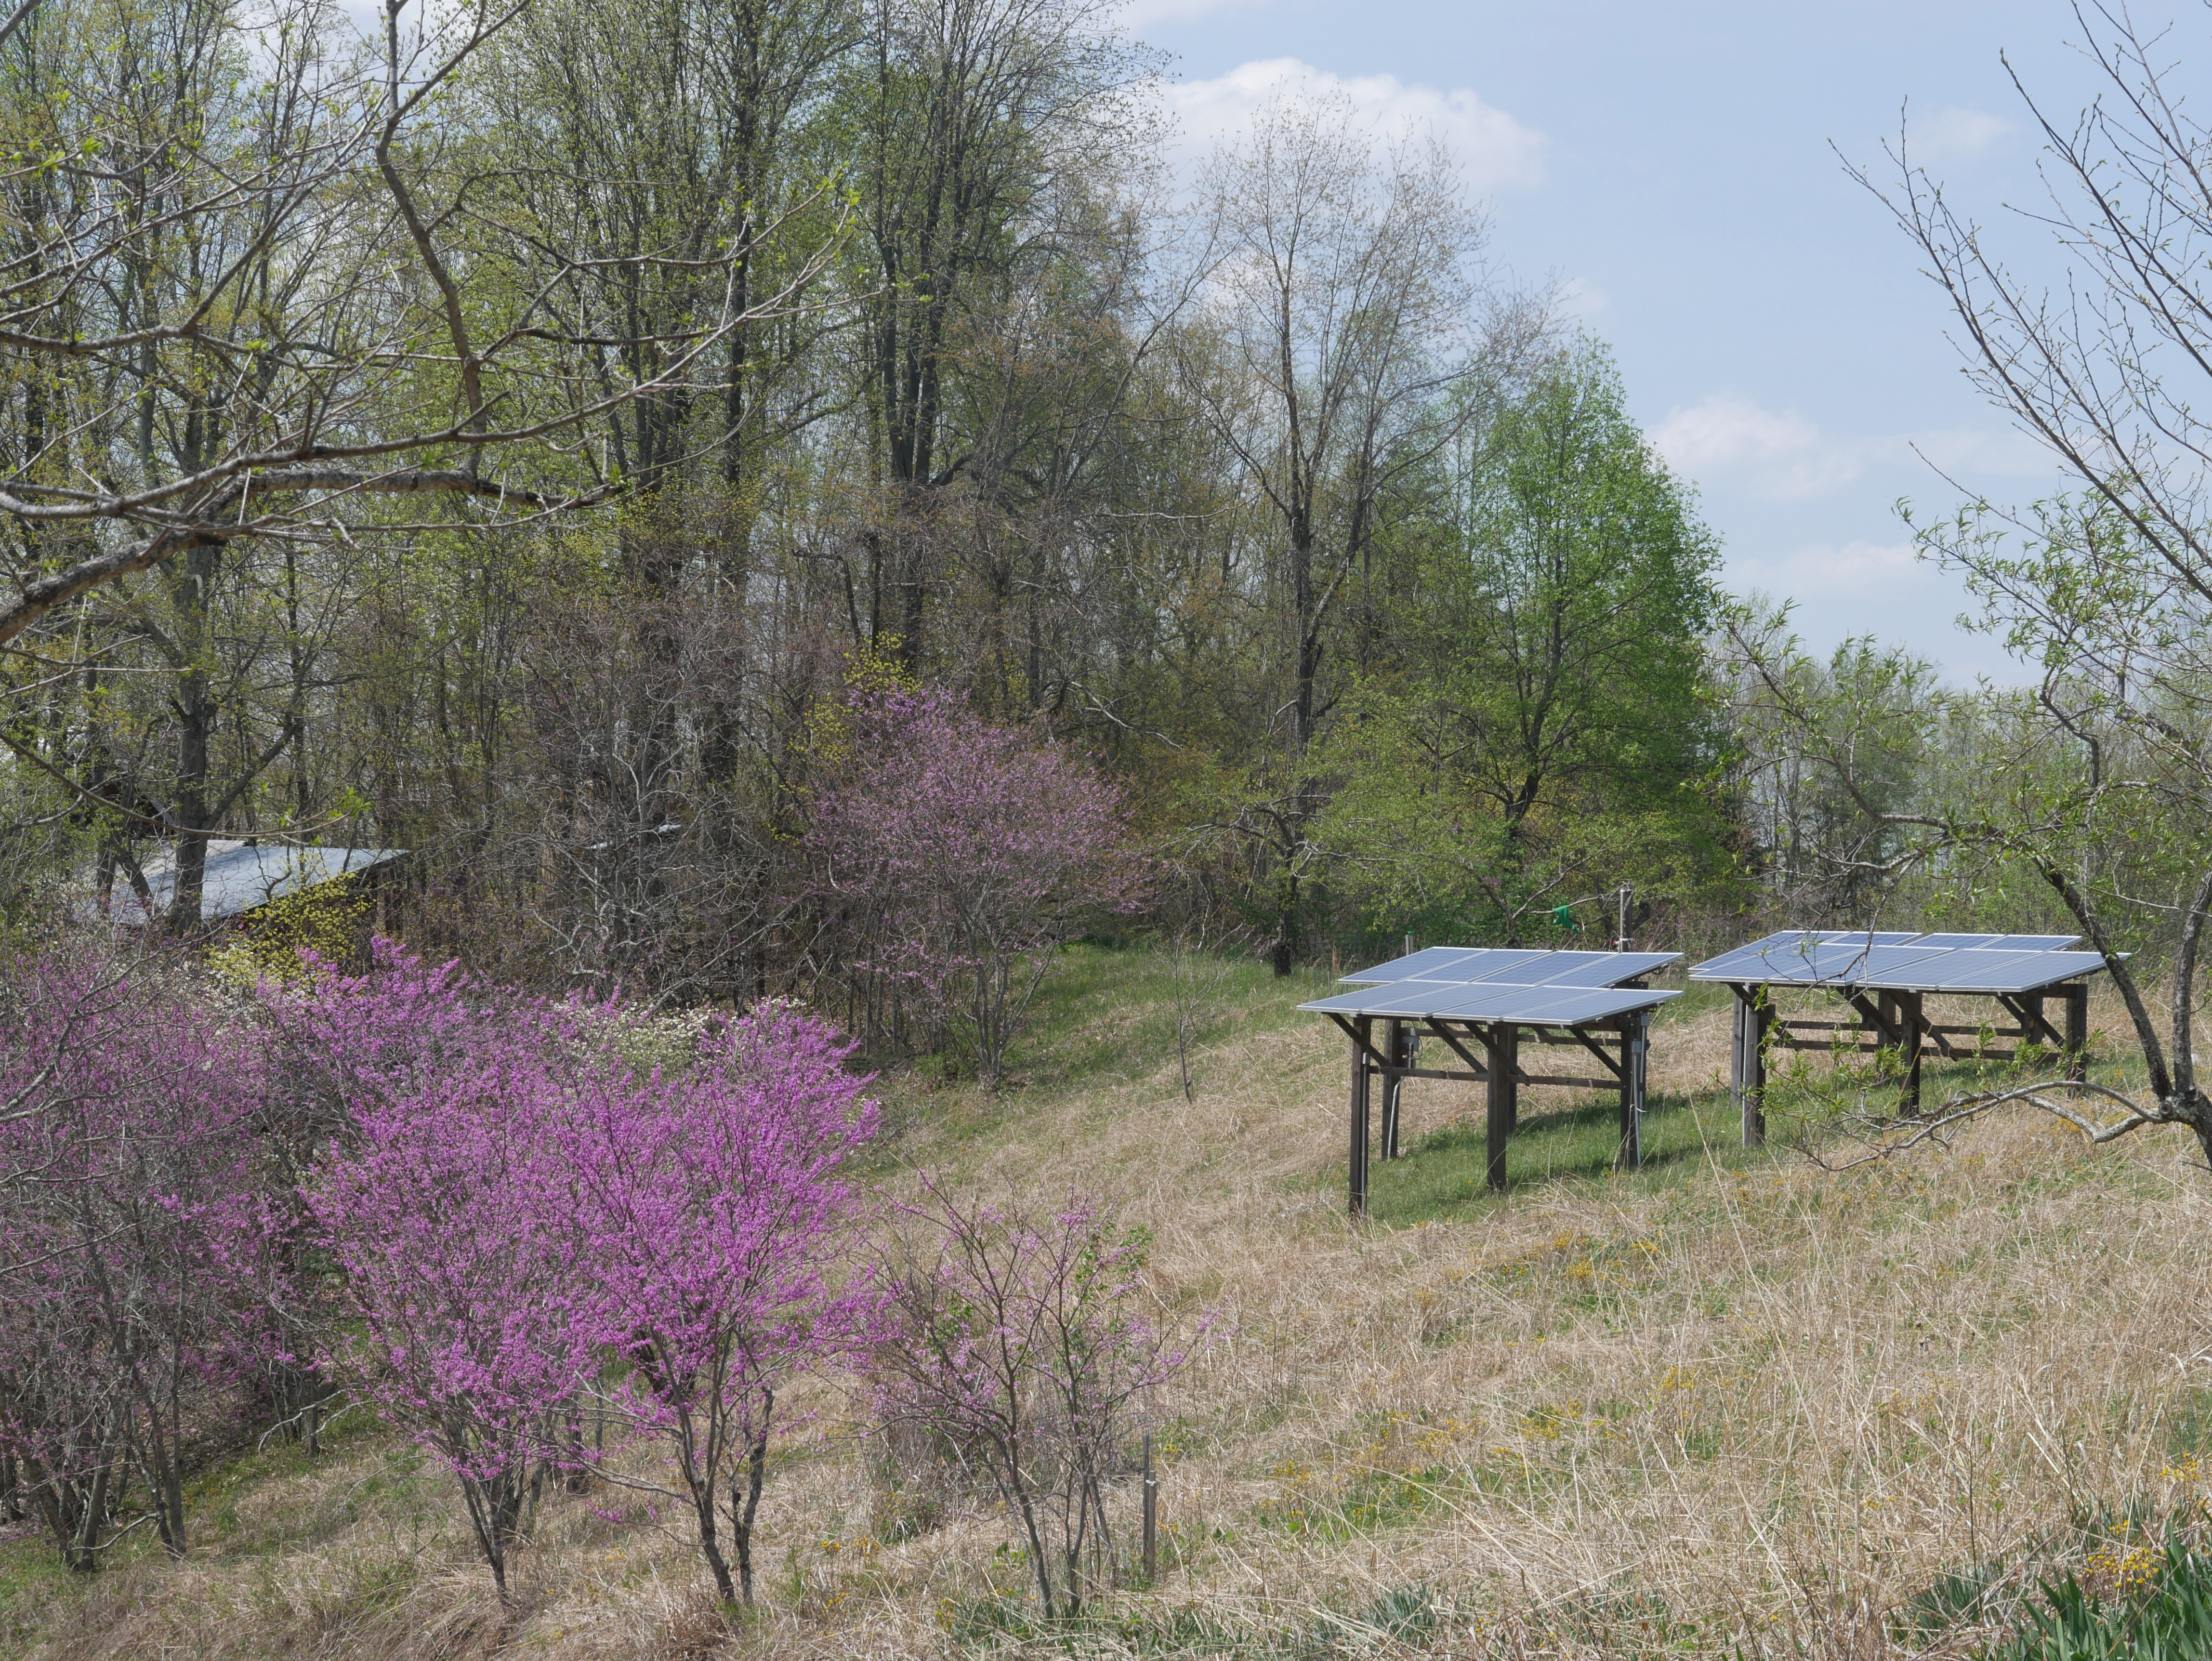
(1635, 1045)
(1362, 1027)
(1747, 1063)
(1151, 1517)
(1914, 1025)
(1885, 1008)
(1396, 1047)
(1501, 1044)
(2077, 1030)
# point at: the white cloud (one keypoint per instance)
(1965, 450)
(1953, 134)
(1778, 455)
(1824, 568)
(1492, 148)
(1781, 456)
(1824, 573)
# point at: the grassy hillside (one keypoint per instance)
(1734, 1405)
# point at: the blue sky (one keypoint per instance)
(1672, 165)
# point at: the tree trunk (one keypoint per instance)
(742, 1514)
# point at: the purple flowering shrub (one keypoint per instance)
(528, 1225)
(952, 855)
(136, 1266)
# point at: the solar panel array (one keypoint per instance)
(1902, 961)
(1533, 989)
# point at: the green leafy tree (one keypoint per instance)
(1543, 726)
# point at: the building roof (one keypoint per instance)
(241, 876)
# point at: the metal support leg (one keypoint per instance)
(1747, 1063)
(1501, 1045)
(1914, 1024)
(2077, 1030)
(1635, 1047)
(1357, 1181)
(1395, 1045)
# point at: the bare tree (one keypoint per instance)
(972, 107)
(233, 302)
(2104, 593)
(1342, 314)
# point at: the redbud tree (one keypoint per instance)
(479, 1322)
(527, 1222)
(714, 1214)
(953, 856)
(447, 1203)
(135, 1233)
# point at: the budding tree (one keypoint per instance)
(265, 287)
(2099, 777)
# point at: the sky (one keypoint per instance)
(1678, 169)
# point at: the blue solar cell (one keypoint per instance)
(1923, 963)
(1754, 957)
(1869, 937)
(1860, 967)
(1344, 1003)
(1541, 989)
(239, 876)
(1608, 968)
(1546, 1005)
(1507, 968)
(2010, 971)
(1410, 1000)
(1418, 963)
(1512, 967)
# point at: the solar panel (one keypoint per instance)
(1419, 964)
(2010, 972)
(1608, 968)
(1921, 963)
(1512, 967)
(1791, 958)
(1869, 937)
(1506, 968)
(1554, 1006)
(239, 876)
(1751, 956)
(1860, 965)
(1541, 989)
(1408, 999)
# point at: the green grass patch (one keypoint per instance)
(1105, 1016)
(1106, 1012)
(1406, 1617)
(1445, 1172)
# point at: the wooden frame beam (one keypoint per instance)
(1497, 1067)
(1900, 1024)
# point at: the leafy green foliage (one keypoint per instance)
(2157, 1607)
(1542, 726)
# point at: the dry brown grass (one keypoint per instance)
(1752, 1404)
